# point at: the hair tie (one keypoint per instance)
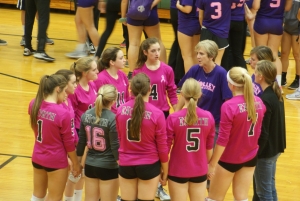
(100, 95)
(232, 82)
(47, 76)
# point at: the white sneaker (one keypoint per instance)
(161, 194)
(118, 198)
(76, 54)
(294, 96)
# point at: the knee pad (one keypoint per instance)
(208, 199)
(33, 198)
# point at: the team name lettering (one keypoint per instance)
(256, 89)
(90, 119)
(243, 107)
(202, 121)
(46, 115)
(208, 86)
(127, 110)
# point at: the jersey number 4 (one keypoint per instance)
(154, 94)
(194, 142)
(95, 138)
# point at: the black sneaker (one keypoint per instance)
(294, 85)
(3, 42)
(43, 56)
(28, 51)
(283, 82)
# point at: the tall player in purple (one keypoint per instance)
(161, 75)
(109, 66)
(143, 152)
(268, 28)
(214, 17)
(191, 132)
(235, 154)
(85, 70)
(188, 31)
(53, 139)
(257, 54)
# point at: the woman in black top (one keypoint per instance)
(272, 141)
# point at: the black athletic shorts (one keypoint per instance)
(208, 35)
(143, 172)
(100, 173)
(182, 180)
(235, 167)
(37, 166)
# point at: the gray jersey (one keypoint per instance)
(101, 139)
(292, 14)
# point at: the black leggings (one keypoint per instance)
(43, 9)
(175, 58)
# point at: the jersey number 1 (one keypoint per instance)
(39, 137)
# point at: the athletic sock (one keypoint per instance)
(80, 47)
(278, 78)
(68, 199)
(33, 198)
(77, 195)
(297, 77)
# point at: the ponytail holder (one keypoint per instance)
(47, 76)
(232, 82)
(100, 95)
(191, 97)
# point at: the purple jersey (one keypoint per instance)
(162, 83)
(188, 19)
(189, 143)
(237, 133)
(53, 136)
(121, 85)
(238, 10)
(256, 87)
(217, 16)
(214, 88)
(69, 108)
(173, 4)
(152, 145)
(83, 100)
(271, 9)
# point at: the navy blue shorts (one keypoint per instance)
(100, 173)
(21, 4)
(182, 180)
(268, 25)
(143, 172)
(208, 35)
(235, 167)
(189, 30)
(37, 166)
(152, 20)
(86, 3)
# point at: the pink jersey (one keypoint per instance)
(188, 154)
(162, 83)
(237, 133)
(121, 84)
(152, 145)
(53, 136)
(69, 107)
(82, 101)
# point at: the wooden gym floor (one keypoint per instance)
(19, 76)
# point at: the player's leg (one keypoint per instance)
(220, 183)
(286, 44)
(241, 183)
(134, 34)
(147, 188)
(178, 191)
(92, 189)
(40, 183)
(186, 45)
(56, 183)
(197, 191)
(109, 189)
(296, 55)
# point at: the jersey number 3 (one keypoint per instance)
(194, 142)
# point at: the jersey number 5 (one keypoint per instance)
(193, 140)
(95, 139)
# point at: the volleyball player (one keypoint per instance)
(214, 19)
(109, 66)
(235, 154)
(257, 54)
(272, 141)
(191, 132)
(98, 132)
(268, 28)
(290, 40)
(135, 28)
(161, 75)
(143, 151)
(53, 139)
(85, 70)
(84, 21)
(188, 31)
